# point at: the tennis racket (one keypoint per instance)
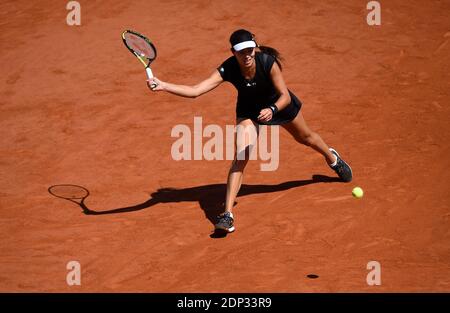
(142, 48)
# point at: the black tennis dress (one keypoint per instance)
(258, 93)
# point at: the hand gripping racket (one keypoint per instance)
(142, 48)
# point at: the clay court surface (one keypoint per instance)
(75, 109)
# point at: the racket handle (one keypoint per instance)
(149, 72)
(150, 75)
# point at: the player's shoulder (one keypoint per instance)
(266, 61)
(265, 57)
(230, 61)
(228, 66)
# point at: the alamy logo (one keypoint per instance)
(374, 276)
(251, 142)
(74, 16)
(374, 16)
(73, 277)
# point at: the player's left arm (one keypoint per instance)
(280, 86)
(284, 99)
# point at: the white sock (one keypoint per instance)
(334, 163)
(231, 215)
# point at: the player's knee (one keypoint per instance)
(239, 165)
(243, 152)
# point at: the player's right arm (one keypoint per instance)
(187, 91)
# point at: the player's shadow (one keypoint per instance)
(210, 197)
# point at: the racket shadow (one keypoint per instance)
(210, 197)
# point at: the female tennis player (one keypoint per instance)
(263, 98)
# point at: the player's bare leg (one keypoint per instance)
(245, 139)
(304, 135)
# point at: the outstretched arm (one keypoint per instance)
(187, 91)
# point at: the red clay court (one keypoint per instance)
(75, 109)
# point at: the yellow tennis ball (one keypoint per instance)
(357, 192)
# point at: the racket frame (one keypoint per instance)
(147, 63)
(53, 190)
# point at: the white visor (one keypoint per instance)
(243, 45)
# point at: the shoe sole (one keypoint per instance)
(228, 230)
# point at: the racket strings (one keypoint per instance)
(140, 46)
